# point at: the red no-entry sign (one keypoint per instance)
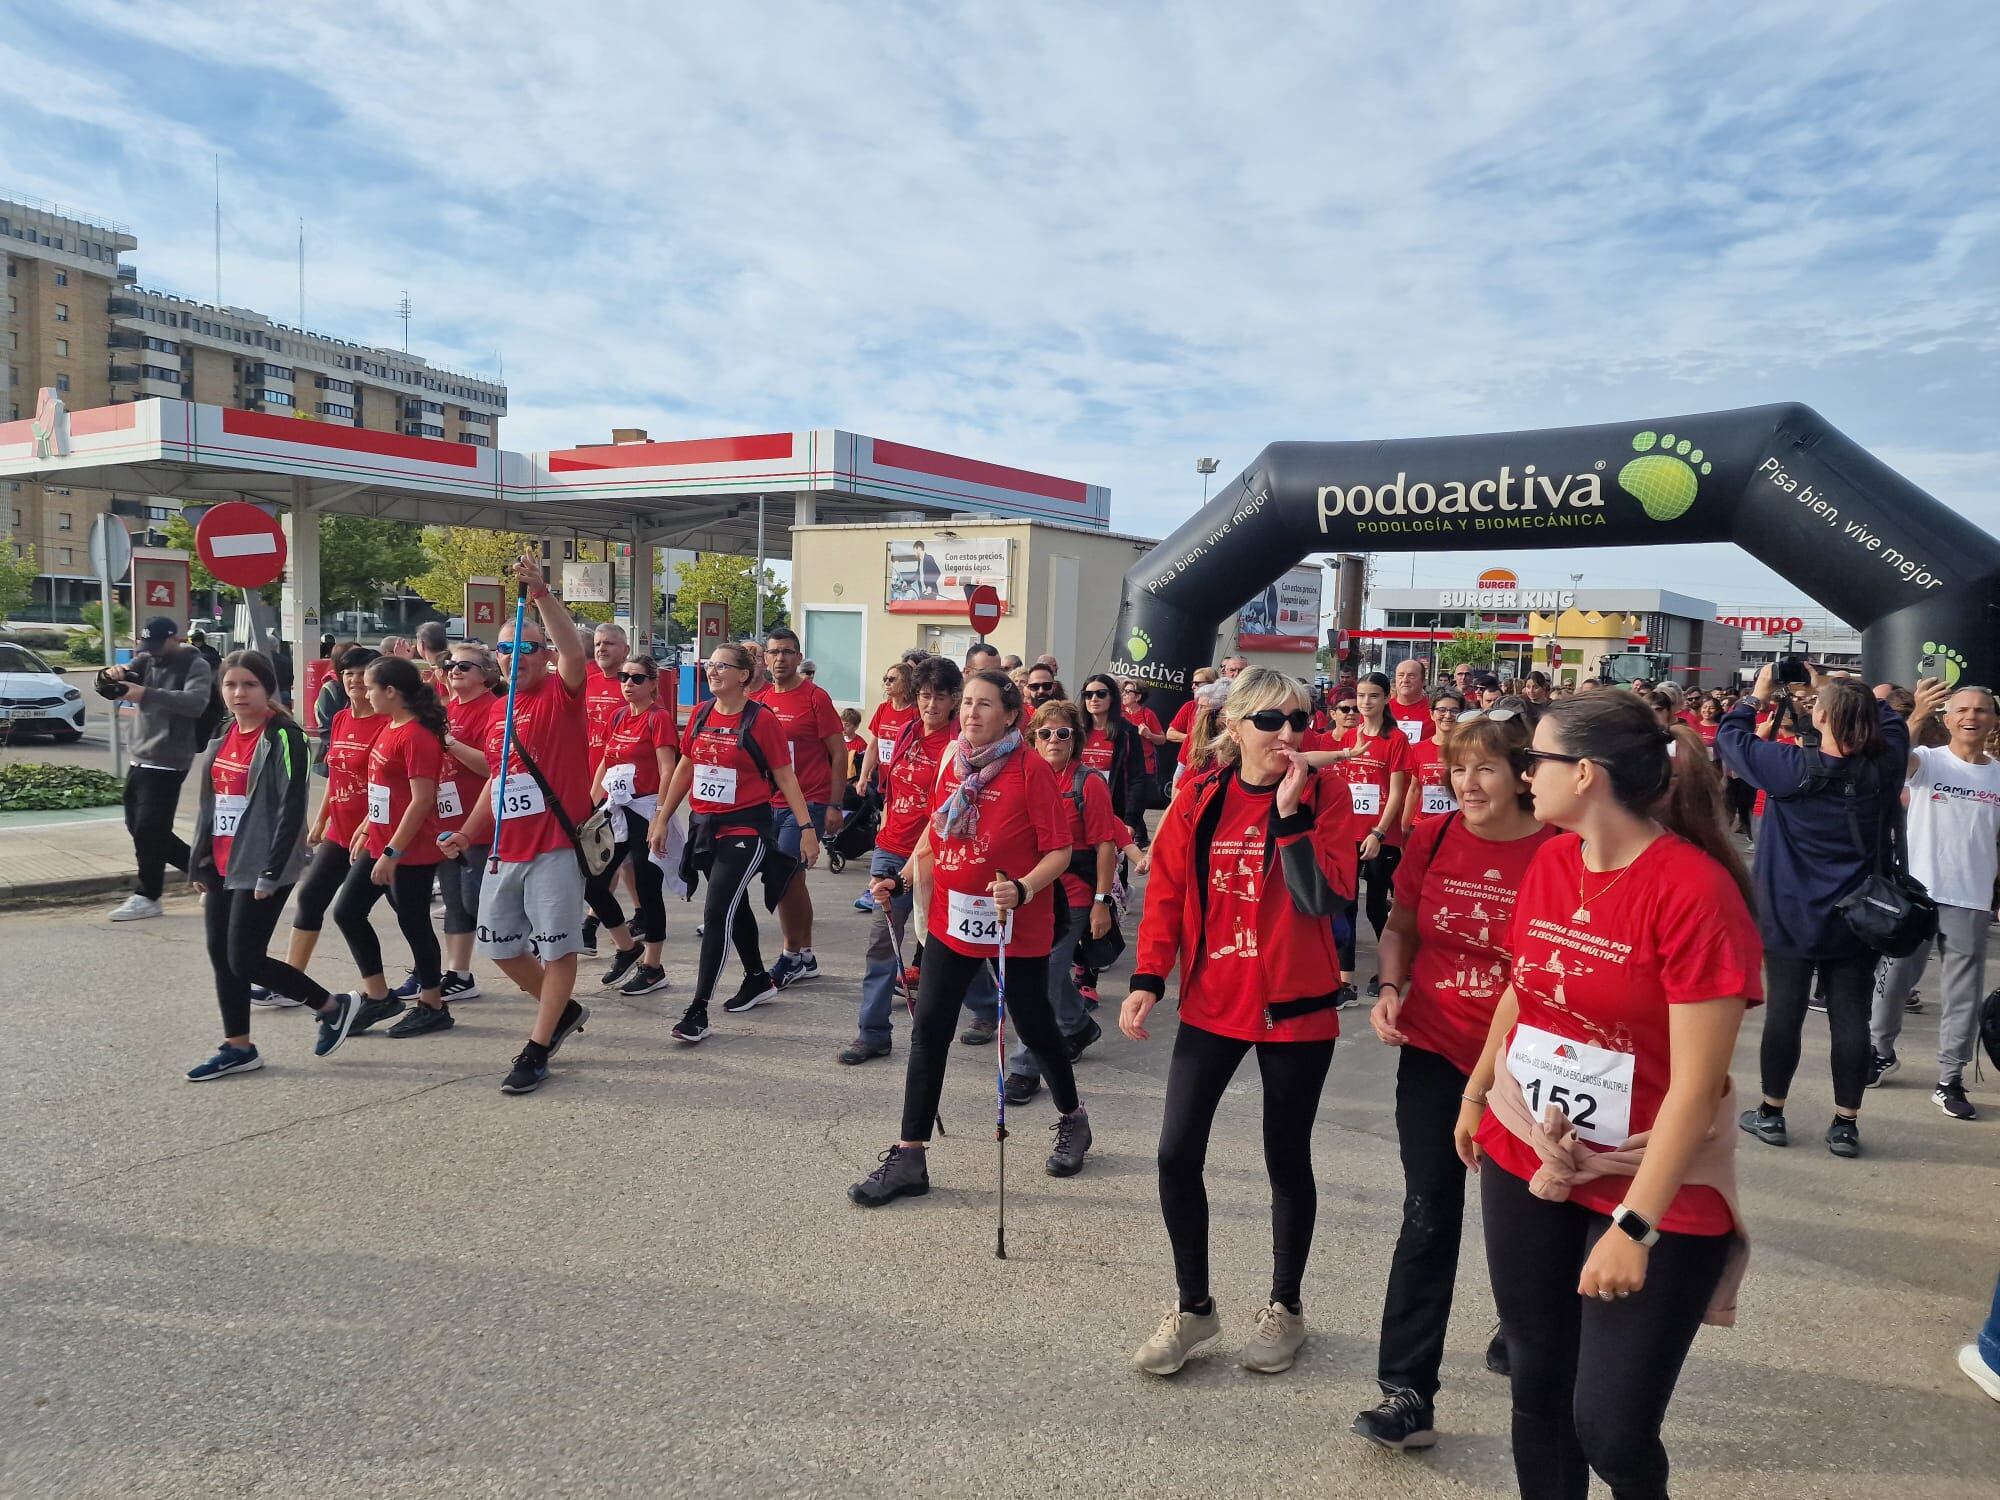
(983, 606)
(241, 545)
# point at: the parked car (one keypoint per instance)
(36, 699)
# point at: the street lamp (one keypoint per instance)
(1205, 467)
(1436, 621)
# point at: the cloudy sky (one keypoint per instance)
(1099, 240)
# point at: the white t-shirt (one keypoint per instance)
(1954, 820)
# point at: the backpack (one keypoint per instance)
(1889, 911)
(751, 709)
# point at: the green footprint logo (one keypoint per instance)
(1942, 662)
(1663, 481)
(1138, 645)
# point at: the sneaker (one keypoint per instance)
(865, 901)
(422, 1019)
(1091, 1000)
(531, 1071)
(647, 979)
(860, 1050)
(1950, 1097)
(1021, 1087)
(333, 1029)
(979, 1033)
(903, 1174)
(1914, 1003)
(1770, 1129)
(693, 1024)
(1818, 1003)
(589, 948)
(1072, 1140)
(459, 987)
(1843, 1137)
(753, 992)
(1346, 996)
(227, 1059)
(265, 999)
(1979, 1371)
(1880, 1067)
(1181, 1333)
(626, 961)
(409, 989)
(1400, 1420)
(1374, 986)
(572, 1019)
(1075, 1045)
(137, 906)
(793, 968)
(1498, 1358)
(375, 1011)
(1275, 1342)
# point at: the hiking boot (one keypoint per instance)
(1072, 1140)
(1276, 1341)
(1880, 1067)
(1021, 1087)
(1843, 1137)
(1075, 1045)
(860, 1050)
(902, 1174)
(423, 1019)
(1950, 1097)
(1180, 1334)
(1401, 1420)
(979, 1033)
(1770, 1129)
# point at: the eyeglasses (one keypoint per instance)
(1442, 712)
(1057, 732)
(518, 648)
(1271, 720)
(1344, 708)
(459, 666)
(722, 666)
(779, 651)
(1089, 693)
(635, 676)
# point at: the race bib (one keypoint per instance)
(378, 802)
(618, 779)
(977, 920)
(449, 805)
(883, 750)
(1367, 797)
(1592, 1085)
(715, 784)
(228, 813)
(519, 797)
(1438, 799)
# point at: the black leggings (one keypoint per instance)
(1293, 1074)
(1372, 881)
(646, 880)
(238, 929)
(947, 974)
(727, 915)
(1591, 1379)
(409, 892)
(319, 885)
(1424, 1269)
(1850, 993)
(1739, 799)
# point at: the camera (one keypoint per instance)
(114, 688)
(1793, 669)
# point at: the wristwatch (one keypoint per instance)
(1104, 896)
(390, 851)
(1635, 1225)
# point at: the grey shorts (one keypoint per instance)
(536, 907)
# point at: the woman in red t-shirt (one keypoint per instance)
(1634, 957)
(470, 676)
(886, 723)
(1429, 792)
(640, 747)
(395, 847)
(996, 842)
(1251, 862)
(1375, 762)
(1181, 729)
(1444, 966)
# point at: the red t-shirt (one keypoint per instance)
(1097, 750)
(1021, 818)
(1148, 722)
(1707, 731)
(347, 772)
(229, 776)
(1670, 929)
(726, 778)
(806, 716)
(603, 696)
(403, 752)
(1414, 719)
(910, 780)
(635, 740)
(470, 722)
(1461, 887)
(1367, 776)
(886, 723)
(1091, 824)
(1183, 724)
(554, 724)
(856, 748)
(1430, 784)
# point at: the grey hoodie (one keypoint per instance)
(167, 734)
(269, 851)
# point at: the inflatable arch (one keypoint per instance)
(1920, 581)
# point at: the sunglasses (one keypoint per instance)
(635, 676)
(1041, 689)
(1497, 715)
(1271, 720)
(1555, 755)
(1089, 693)
(460, 666)
(1057, 732)
(1344, 708)
(517, 648)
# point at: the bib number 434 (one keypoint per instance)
(978, 921)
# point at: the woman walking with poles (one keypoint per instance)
(1445, 962)
(1251, 861)
(641, 744)
(995, 844)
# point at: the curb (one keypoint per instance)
(76, 888)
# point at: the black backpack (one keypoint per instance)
(751, 708)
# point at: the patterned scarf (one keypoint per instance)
(959, 817)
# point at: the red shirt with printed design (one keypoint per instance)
(554, 724)
(1367, 774)
(1021, 818)
(229, 776)
(910, 777)
(806, 716)
(402, 753)
(347, 772)
(718, 748)
(1669, 929)
(469, 722)
(1097, 750)
(603, 696)
(635, 739)
(1427, 770)
(1462, 888)
(886, 724)
(1091, 824)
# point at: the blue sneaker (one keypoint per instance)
(791, 969)
(865, 901)
(531, 1071)
(227, 1059)
(333, 1029)
(409, 989)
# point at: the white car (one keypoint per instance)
(36, 699)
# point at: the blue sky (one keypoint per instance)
(1095, 240)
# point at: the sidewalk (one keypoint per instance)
(55, 856)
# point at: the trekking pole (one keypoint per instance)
(1000, 1071)
(507, 731)
(903, 986)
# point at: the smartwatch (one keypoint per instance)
(1104, 896)
(1634, 1225)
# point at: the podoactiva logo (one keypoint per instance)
(1666, 475)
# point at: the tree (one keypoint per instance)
(17, 579)
(87, 643)
(457, 553)
(1478, 647)
(715, 575)
(362, 558)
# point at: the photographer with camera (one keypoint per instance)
(1833, 801)
(173, 688)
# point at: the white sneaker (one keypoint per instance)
(1279, 1336)
(1181, 1333)
(265, 999)
(137, 906)
(1983, 1375)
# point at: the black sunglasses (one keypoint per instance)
(635, 676)
(1556, 755)
(462, 666)
(1095, 693)
(1271, 720)
(1343, 708)
(1041, 687)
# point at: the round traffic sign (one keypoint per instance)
(983, 605)
(110, 547)
(241, 545)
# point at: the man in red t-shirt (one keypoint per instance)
(531, 906)
(1410, 703)
(603, 693)
(818, 743)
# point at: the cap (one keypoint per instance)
(160, 628)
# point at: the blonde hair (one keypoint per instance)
(1252, 691)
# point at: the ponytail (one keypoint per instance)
(418, 696)
(1692, 806)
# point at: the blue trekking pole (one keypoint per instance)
(1000, 1073)
(507, 731)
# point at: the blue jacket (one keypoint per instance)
(1806, 858)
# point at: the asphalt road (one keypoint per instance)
(376, 1275)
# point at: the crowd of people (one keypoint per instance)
(1567, 935)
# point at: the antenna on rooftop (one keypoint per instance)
(403, 312)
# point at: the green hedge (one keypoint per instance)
(31, 788)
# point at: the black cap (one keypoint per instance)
(161, 628)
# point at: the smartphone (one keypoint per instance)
(1793, 669)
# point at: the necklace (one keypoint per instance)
(1582, 912)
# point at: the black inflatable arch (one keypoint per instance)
(1921, 581)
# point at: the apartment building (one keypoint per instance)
(75, 318)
